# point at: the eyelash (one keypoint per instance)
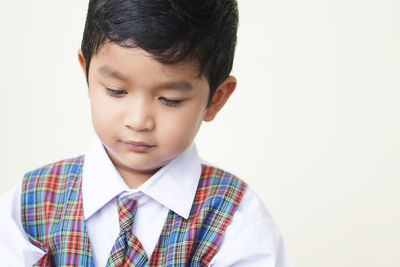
(115, 93)
(170, 102)
(165, 101)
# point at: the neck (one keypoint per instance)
(134, 178)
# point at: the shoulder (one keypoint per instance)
(58, 167)
(54, 171)
(55, 177)
(251, 206)
(218, 185)
(214, 175)
(252, 237)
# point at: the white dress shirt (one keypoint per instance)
(251, 239)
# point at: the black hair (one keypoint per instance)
(171, 30)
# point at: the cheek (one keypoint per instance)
(181, 130)
(98, 122)
(103, 116)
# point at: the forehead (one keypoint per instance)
(125, 63)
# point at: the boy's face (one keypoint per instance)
(144, 112)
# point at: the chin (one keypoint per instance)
(143, 167)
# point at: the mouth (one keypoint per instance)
(138, 146)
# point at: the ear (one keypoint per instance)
(220, 97)
(82, 61)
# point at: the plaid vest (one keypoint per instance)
(52, 216)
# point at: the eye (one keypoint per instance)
(115, 93)
(170, 102)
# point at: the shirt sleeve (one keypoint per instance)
(252, 238)
(15, 247)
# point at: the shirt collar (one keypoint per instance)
(173, 186)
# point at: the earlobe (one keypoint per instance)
(221, 95)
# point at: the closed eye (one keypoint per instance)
(115, 93)
(170, 102)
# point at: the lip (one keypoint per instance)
(138, 146)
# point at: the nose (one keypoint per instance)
(139, 115)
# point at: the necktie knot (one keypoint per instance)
(126, 210)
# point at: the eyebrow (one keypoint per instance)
(178, 85)
(173, 85)
(106, 70)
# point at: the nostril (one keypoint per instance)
(139, 122)
(139, 113)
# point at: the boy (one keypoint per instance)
(141, 196)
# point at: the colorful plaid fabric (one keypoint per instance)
(194, 241)
(52, 216)
(127, 250)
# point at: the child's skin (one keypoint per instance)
(147, 113)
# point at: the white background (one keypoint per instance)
(313, 126)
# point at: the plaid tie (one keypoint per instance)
(127, 250)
